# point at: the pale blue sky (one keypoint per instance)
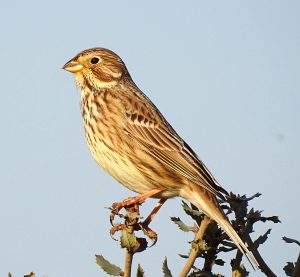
(225, 75)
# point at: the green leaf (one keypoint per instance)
(181, 225)
(107, 267)
(140, 272)
(165, 268)
(191, 212)
(128, 240)
(289, 240)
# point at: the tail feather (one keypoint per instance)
(226, 226)
(207, 203)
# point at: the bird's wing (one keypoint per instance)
(147, 126)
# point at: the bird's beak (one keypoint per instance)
(73, 66)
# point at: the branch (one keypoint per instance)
(128, 263)
(195, 250)
(262, 264)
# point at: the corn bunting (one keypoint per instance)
(132, 141)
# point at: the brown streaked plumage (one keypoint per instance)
(131, 140)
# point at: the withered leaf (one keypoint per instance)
(289, 240)
(289, 269)
(262, 239)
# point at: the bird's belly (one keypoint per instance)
(120, 168)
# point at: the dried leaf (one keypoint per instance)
(141, 245)
(181, 225)
(140, 272)
(289, 269)
(274, 219)
(219, 262)
(183, 256)
(107, 267)
(261, 239)
(289, 240)
(240, 271)
(128, 240)
(30, 275)
(165, 268)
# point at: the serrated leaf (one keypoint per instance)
(165, 269)
(140, 272)
(128, 240)
(289, 240)
(108, 267)
(181, 225)
(195, 214)
(289, 269)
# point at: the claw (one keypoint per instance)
(149, 233)
(116, 228)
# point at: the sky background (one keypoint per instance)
(224, 73)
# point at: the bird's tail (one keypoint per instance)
(208, 204)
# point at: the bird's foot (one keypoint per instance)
(131, 202)
(152, 235)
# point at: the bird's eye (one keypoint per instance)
(95, 60)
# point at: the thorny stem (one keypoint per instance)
(194, 253)
(128, 263)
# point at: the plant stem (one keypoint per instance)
(193, 255)
(128, 263)
(262, 264)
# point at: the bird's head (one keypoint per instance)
(97, 68)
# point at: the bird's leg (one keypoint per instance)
(150, 217)
(116, 207)
(145, 225)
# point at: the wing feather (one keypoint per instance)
(161, 141)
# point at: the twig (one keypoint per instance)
(195, 251)
(297, 268)
(128, 263)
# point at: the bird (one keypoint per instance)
(132, 141)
